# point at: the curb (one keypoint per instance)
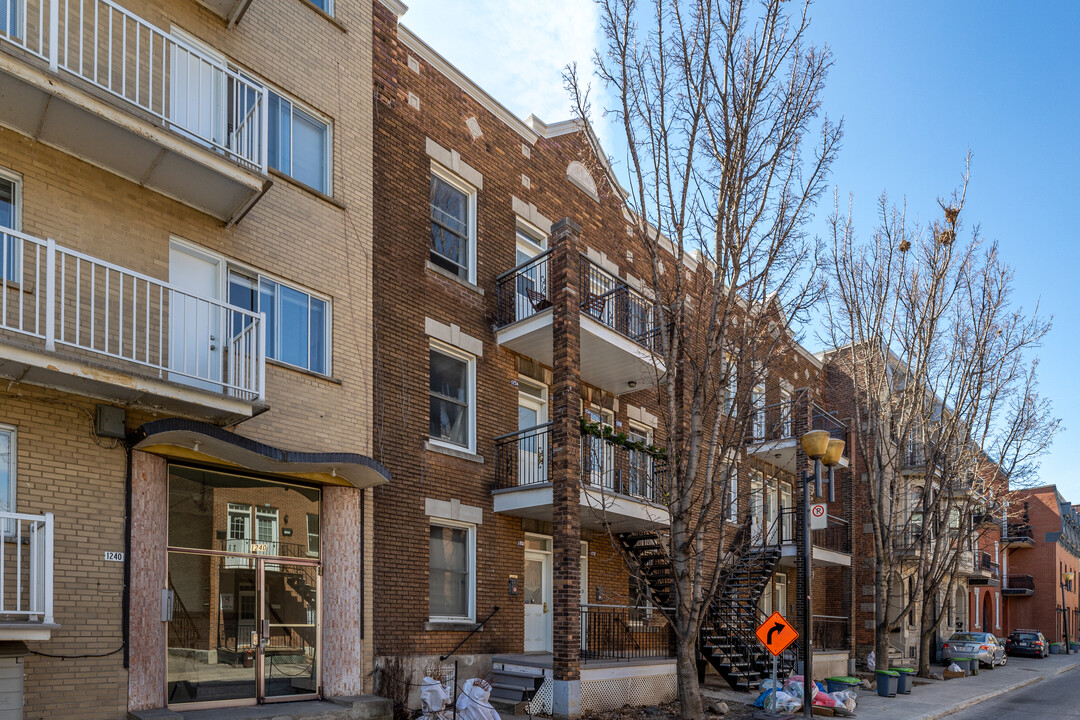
(988, 696)
(1067, 668)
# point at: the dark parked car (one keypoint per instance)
(1027, 642)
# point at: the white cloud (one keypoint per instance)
(516, 50)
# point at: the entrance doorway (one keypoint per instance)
(537, 593)
(195, 322)
(244, 625)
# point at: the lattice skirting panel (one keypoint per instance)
(614, 693)
(541, 702)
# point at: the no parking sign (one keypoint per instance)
(818, 517)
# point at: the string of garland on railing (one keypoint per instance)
(608, 434)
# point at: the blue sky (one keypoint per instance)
(917, 84)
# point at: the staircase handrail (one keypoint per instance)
(479, 626)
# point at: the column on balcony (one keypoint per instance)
(565, 468)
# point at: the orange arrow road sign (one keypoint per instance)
(776, 634)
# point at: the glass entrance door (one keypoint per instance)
(289, 631)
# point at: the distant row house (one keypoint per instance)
(313, 355)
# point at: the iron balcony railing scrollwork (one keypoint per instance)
(609, 300)
(523, 291)
(523, 459)
(777, 420)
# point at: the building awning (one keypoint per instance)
(191, 440)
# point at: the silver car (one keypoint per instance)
(984, 646)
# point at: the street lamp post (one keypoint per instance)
(1066, 578)
(826, 451)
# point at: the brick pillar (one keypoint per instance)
(563, 278)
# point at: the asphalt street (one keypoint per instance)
(1058, 697)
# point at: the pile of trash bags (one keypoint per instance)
(788, 697)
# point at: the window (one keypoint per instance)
(10, 207)
(731, 386)
(451, 383)
(312, 534)
(758, 401)
(641, 606)
(327, 6)
(297, 323)
(641, 466)
(453, 225)
(733, 493)
(7, 473)
(451, 571)
(786, 411)
(299, 143)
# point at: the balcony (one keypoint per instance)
(830, 546)
(620, 488)
(611, 633)
(103, 84)
(985, 571)
(26, 577)
(771, 438)
(76, 323)
(1018, 535)
(619, 332)
(1019, 586)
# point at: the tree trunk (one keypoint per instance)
(926, 631)
(881, 634)
(686, 672)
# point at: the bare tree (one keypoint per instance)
(942, 366)
(726, 158)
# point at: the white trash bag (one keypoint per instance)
(474, 701)
(870, 661)
(954, 668)
(434, 697)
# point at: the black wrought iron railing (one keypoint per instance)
(616, 632)
(617, 469)
(776, 421)
(523, 291)
(831, 632)
(907, 539)
(523, 457)
(1018, 532)
(984, 562)
(1020, 582)
(835, 536)
(609, 300)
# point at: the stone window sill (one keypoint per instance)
(460, 454)
(451, 276)
(451, 626)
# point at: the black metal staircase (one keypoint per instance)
(726, 639)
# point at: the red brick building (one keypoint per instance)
(509, 310)
(1042, 543)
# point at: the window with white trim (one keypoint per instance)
(451, 390)
(731, 384)
(452, 571)
(453, 224)
(327, 6)
(299, 142)
(733, 493)
(297, 321)
(8, 465)
(11, 219)
(312, 534)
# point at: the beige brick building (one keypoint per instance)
(186, 218)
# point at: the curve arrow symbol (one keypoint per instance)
(778, 627)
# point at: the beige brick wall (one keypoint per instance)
(292, 233)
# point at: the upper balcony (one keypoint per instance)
(619, 332)
(1019, 586)
(830, 545)
(79, 324)
(771, 433)
(26, 576)
(621, 488)
(984, 570)
(99, 82)
(1018, 535)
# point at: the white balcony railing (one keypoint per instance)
(103, 311)
(26, 567)
(115, 50)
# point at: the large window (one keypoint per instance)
(297, 322)
(450, 389)
(453, 225)
(9, 218)
(299, 143)
(312, 534)
(452, 571)
(733, 492)
(7, 468)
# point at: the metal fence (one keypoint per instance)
(26, 567)
(616, 632)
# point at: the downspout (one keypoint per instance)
(125, 611)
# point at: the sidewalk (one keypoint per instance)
(938, 698)
(933, 699)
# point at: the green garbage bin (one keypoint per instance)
(886, 682)
(905, 680)
(835, 684)
(968, 664)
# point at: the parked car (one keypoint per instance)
(1027, 642)
(984, 646)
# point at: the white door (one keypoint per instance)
(197, 90)
(533, 448)
(195, 325)
(780, 582)
(773, 508)
(537, 601)
(639, 482)
(530, 291)
(600, 455)
(787, 525)
(238, 539)
(757, 508)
